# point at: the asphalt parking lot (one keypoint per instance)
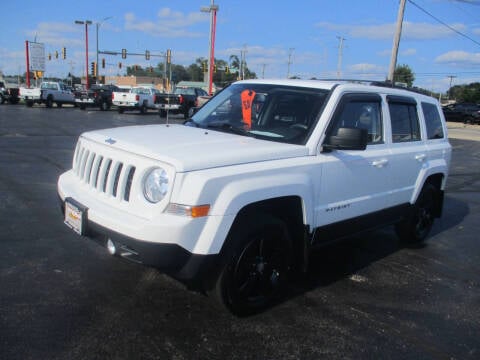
(62, 297)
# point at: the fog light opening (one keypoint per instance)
(111, 247)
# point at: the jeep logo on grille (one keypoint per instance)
(110, 141)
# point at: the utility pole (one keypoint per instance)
(396, 42)
(451, 77)
(340, 56)
(290, 53)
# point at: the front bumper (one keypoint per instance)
(196, 271)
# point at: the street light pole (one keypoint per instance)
(212, 9)
(86, 22)
(98, 24)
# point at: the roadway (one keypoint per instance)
(63, 297)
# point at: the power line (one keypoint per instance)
(443, 23)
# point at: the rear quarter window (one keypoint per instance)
(433, 121)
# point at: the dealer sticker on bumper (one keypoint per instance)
(75, 217)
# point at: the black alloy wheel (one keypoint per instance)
(417, 226)
(256, 274)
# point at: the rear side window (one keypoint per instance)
(433, 121)
(404, 118)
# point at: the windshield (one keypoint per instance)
(270, 112)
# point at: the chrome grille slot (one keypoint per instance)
(105, 175)
(95, 171)
(88, 167)
(128, 184)
(118, 171)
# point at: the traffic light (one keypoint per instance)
(124, 53)
(147, 55)
(215, 68)
(64, 53)
(119, 65)
(204, 66)
(56, 54)
(49, 56)
(103, 63)
(169, 56)
(93, 68)
(227, 70)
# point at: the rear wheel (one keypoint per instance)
(49, 102)
(29, 103)
(257, 268)
(121, 110)
(143, 109)
(417, 226)
(104, 106)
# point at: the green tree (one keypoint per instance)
(404, 74)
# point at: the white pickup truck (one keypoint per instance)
(235, 200)
(139, 98)
(48, 93)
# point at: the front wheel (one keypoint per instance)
(416, 227)
(257, 269)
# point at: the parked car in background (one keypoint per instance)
(8, 93)
(97, 96)
(467, 113)
(48, 93)
(138, 98)
(182, 100)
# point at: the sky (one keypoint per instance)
(351, 39)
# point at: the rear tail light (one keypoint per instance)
(137, 97)
(113, 95)
(181, 99)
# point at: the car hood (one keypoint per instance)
(189, 148)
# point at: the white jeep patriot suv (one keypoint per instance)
(232, 201)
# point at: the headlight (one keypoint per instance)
(155, 185)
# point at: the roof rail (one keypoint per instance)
(384, 83)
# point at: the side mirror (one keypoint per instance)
(347, 139)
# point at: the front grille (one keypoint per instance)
(104, 174)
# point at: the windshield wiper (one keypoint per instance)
(226, 127)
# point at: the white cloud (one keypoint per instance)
(412, 31)
(170, 24)
(459, 58)
(408, 52)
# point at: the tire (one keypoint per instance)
(29, 103)
(143, 109)
(59, 105)
(416, 227)
(162, 113)
(104, 106)
(82, 107)
(120, 110)
(257, 266)
(49, 102)
(2, 100)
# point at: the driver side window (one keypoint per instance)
(362, 111)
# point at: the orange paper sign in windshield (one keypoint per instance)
(247, 100)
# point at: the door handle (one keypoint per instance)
(379, 163)
(420, 157)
